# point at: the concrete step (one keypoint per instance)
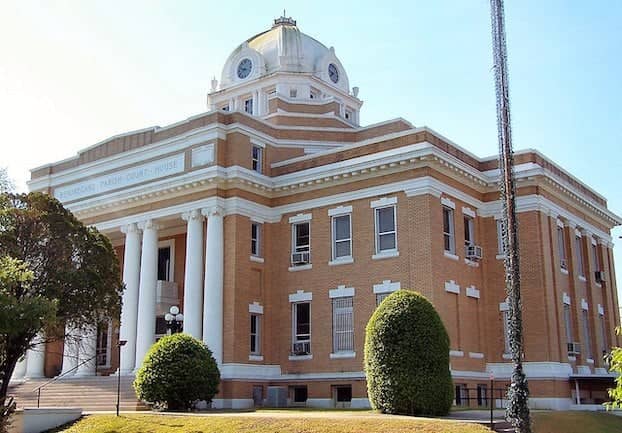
(90, 393)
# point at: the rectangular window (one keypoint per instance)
(587, 349)
(568, 323)
(342, 236)
(255, 334)
(343, 394)
(506, 332)
(256, 159)
(103, 334)
(386, 234)
(482, 395)
(256, 239)
(603, 335)
(500, 249)
(301, 327)
(343, 325)
(462, 394)
(164, 264)
(381, 297)
(448, 230)
(300, 394)
(469, 238)
(248, 106)
(561, 247)
(301, 243)
(579, 254)
(595, 259)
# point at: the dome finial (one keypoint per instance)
(284, 20)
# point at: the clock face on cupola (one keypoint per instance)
(244, 68)
(333, 73)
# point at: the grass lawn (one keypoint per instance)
(576, 422)
(266, 423)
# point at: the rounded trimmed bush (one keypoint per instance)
(177, 371)
(407, 357)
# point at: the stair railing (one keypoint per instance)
(54, 379)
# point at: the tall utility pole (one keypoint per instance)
(517, 411)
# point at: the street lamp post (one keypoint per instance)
(120, 344)
(174, 320)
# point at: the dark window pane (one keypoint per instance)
(446, 220)
(342, 249)
(300, 394)
(302, 318)
(342, 227)
(387, 242)
(164, 260)
(344, 393)
(386, 222)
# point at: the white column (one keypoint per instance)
(70, 350)
(87, 351)
(193, 280)
(129, 311)
(213, 295)
(35, 366)
(20, 369)
(145, 329)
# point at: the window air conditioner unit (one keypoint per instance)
(474, 252)
(301, 258)
(599, 276)
(301, 348)
(574, 348)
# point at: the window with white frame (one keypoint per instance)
(469, 232)
(381, 297)
(568, 323)
(255, 347)
(561, 247)
(257, 159)
(301, 243)
(103, 344)
(500, 249)
(579, 255)
(386, 229)
(165, 261)
(301, 328)
(342, 236)
(587, 341)
(256, 239)
(603, 334)
(448, 230)
(343, 325)
(248, 106)
(506, 332)
(595, 258)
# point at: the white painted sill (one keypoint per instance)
(564, 271)
(589, 361)
(342, 355)
(300, 268)
(255, 357)
(456, 353)
(300, 357)
(500, 257)
(256, 259)
(476, 355)
(341, 261)
(506, 356)
(451, 255)
(385, 255)
(471, 263)
(582, 278)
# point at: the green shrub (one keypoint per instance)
(407, 357)
(177, 371)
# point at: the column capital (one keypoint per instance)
(213, 211)
(148, 225)
(130, 228)
(194, 214)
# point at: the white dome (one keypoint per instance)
(283, 48)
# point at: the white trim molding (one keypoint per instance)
(584, 304)
(384, 201)
(341, 292)
(301, 217)
(386, 287)
(446, 201)
(339, 210)
(468, 211)
(301, 296)
(566, 298)
(255, 308)
(472, 292)
(452, 287)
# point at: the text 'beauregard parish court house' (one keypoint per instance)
(277, 223)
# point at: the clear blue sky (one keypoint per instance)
(74, 73)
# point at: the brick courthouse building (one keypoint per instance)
(277, 224)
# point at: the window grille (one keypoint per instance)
(343, 329)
